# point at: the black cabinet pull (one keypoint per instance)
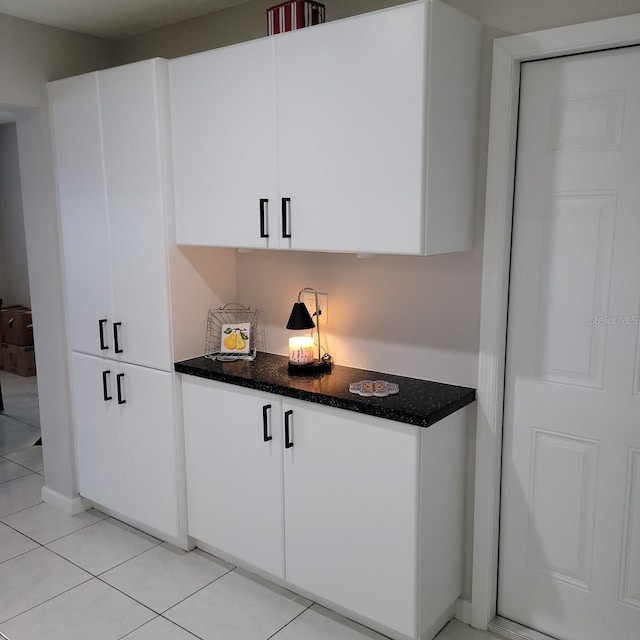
(101, 324)
(265, 423)
(264, 202)
(119, 377)
(105, 393)
(286, 206)
(288, 443)
(117, 348)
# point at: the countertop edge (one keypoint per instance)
(354, 404)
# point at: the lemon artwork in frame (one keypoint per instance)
(235, 338)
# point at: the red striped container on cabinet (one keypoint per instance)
(294, 14)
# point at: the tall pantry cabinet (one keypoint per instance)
(113, 170)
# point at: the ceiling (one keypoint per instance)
(111, 18)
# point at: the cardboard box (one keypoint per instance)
(294, 14)
(19, 360)
(16, 326)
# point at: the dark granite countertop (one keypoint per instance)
(419, 402)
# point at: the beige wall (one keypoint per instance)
(236, 24)
(522, 16)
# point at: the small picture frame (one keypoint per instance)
(235, 338)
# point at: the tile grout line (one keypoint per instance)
(4, 457)
(290, 621)
(194, 593)
(97, 575)
(44, 544)
(35, 606)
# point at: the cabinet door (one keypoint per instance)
(145, 402)
(351, 130)
(234, 472)
(224, 140)
(351, 492)
(98, 445)
(131, 127)
(75, 119)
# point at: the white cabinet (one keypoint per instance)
(352, 510)
(224, 142)
(127, 445)
(351, 130)
(233, 444)
(112, 170)
(356, 135)
(110, 132)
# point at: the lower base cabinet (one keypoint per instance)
(126, 441)
(360, 513)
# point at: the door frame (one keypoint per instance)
(508, 54)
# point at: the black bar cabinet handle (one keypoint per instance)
(286, 204)
(101, 324)
(288, 443)
(105, 393)
(119, 377)
(117, 348)
(265, 423)
(263, 219)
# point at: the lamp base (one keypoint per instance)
(310, 369)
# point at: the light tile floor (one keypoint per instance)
(91, 576)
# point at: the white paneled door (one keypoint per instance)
(570, 520)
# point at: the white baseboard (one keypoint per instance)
(463, 611)
(70, 506)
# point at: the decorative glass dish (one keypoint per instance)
(375, 388)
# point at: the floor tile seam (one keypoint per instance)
(18, 463)
(75, 564)
(290, 621)
(6, 524)
(30, 471)
(35, 606)
(124, 637)
(161, 613)
(44, 544)
(115, 566)
(93, 524)
(128, 595)
(22, 553)
(14, 414)
(13, 513)
(4, 453)
(193, 633)
(21, 421)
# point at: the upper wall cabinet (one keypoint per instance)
(110, 163)
(357, 135)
